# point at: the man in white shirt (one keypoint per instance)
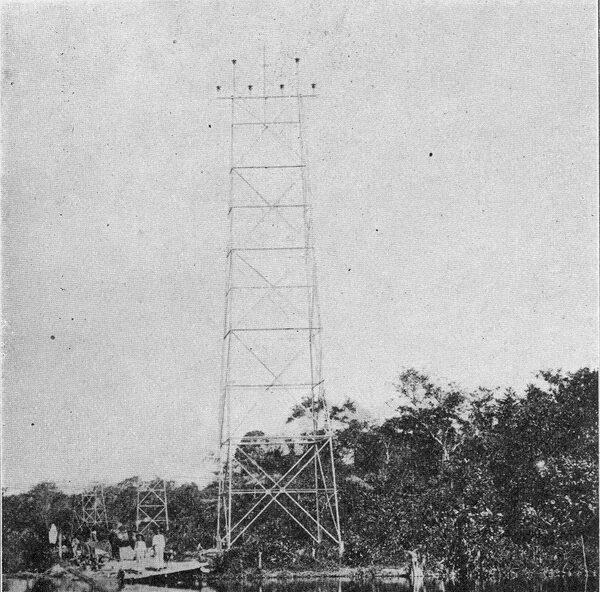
(159, 543)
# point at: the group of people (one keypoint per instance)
(118, 545)
(83, 550)
(158, 547)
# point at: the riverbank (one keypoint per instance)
(110, 577)
(341, 572)
(59, 579)
(62, 578)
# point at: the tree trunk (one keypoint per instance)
(585, 568)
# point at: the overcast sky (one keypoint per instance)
(453, 153)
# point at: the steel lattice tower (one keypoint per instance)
(271, 340)
(152, 509)
(90, 510)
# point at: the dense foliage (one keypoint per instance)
(483, 484)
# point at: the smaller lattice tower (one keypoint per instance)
(90, 509)
(152, 508)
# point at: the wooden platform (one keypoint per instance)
(134, 573)
(173, 567)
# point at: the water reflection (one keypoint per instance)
(195, 583)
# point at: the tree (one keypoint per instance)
(26, 520)
(439, 412)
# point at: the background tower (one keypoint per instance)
(152, 508)
(90, 509)
(271, 339)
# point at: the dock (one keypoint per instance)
(174, 567)
(138, 574)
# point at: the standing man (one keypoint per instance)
(159, 543)
(115, 547)
(75, 547)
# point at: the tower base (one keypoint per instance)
(292, 477)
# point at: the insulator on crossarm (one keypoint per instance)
(314, 85)
(250, 88)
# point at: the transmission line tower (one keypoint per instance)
(90, 509)
(152, 509)
(271, 357)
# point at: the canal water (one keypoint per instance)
(396, 585)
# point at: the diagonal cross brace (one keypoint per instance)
(315, 454)
(259, 501)
(269, 493)
(273, 497)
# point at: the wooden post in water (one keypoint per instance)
(416, 571)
